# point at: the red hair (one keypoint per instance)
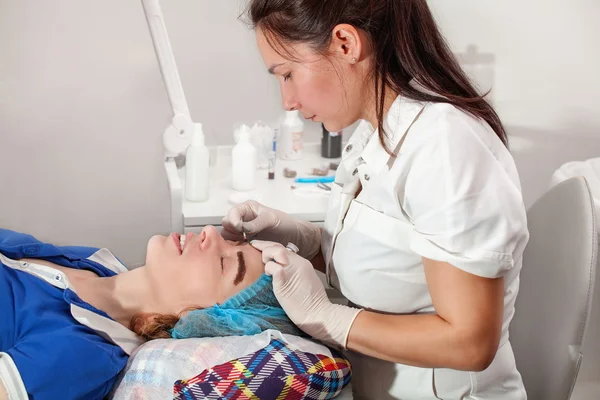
(156, 326)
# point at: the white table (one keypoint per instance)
(189, 216)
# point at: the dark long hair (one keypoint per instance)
(407, 45)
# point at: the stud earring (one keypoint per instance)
(353, 59)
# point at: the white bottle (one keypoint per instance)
(291, 139)
(196, 167)
(243, 162)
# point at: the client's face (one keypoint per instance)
(208, 270)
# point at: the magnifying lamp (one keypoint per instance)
(178, 135)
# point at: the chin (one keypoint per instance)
(155, 242)
(156, 239)
(332, 126)
(336, 126)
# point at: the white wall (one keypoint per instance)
(81, 106)
(547, 56)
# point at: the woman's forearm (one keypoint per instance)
(421, 340)
(463, 334)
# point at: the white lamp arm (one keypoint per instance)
(177, 136)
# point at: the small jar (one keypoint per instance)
(331, 144)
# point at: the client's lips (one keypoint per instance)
(177, 237)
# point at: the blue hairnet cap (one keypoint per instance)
(252, 311)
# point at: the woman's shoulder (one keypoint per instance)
(444, 127)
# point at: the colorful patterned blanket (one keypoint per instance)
(155, 366)
(276, 372)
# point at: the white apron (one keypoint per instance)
(370, 262)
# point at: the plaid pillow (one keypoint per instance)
(276, 372)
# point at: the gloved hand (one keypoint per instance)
(302, 295)
(264, 223)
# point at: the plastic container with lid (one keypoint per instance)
(197, 167)
(243, 162)
(290, 144)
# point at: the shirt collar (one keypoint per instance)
(107, 259)
(108, 329)
(364, 146)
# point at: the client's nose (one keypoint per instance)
(209, 235)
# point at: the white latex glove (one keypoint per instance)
(302, 295)
(264, 223)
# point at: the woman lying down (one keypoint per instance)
(71, 316)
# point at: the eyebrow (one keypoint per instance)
(241, 269)
(272, 68)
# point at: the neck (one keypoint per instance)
(122, 296)
(370, 113)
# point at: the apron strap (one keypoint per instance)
(328, 272)
(396, 151)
